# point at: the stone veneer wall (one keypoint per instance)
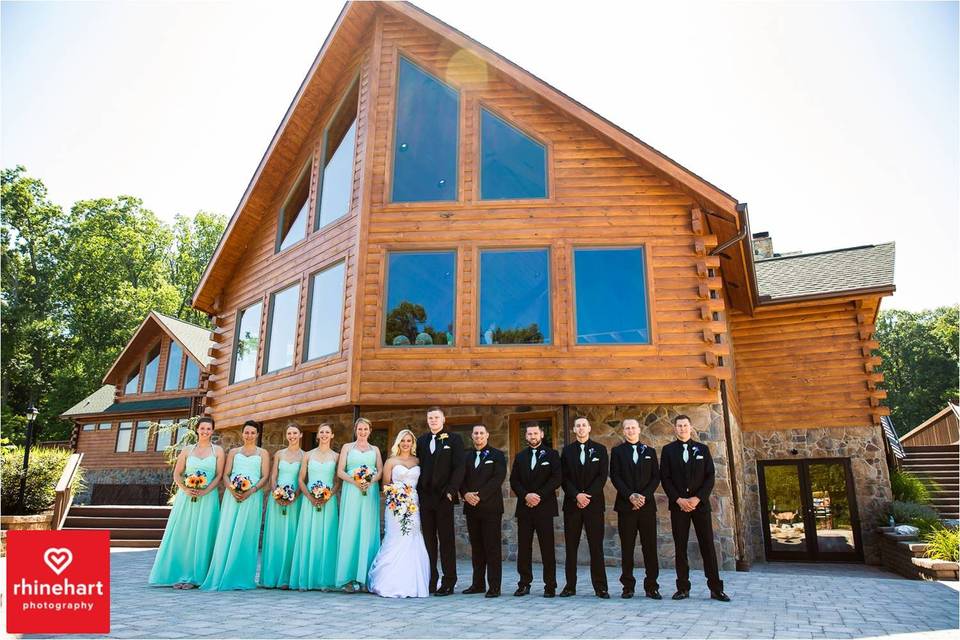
(864, 447)
(656, 430)
(93, 477)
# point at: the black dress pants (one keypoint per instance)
(436, 522)
(575, 521)
(703, 525)
(543, 527)
(629, 525)
(485, 531)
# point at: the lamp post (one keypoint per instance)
(31, 416)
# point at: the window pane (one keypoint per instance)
(164, 438)
(420, 294)
(293, 215)
(426, 140)
(191, 375)
(611, 296)
(326, 312)
(337, 175)
(89, 427)
(248, 342)
(173, 367)
(143, 434)
(515, 297)
(151, 369)
(133, 381)
(104, 425)
(283, 329)
(513, 165)
(123, 437)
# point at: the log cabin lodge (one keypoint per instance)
(433, 225)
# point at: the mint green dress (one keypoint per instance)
(359, 535)
(315, 551)
(187, 545)
(280, 532)
(234, 563)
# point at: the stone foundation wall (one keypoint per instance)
(862, 445)
(93, 477)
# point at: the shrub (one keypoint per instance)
(907, 512)
(943, 543)
(909, 488)
(46, 466)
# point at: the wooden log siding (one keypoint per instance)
(807, 365)
(99, 446)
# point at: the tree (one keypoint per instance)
(405, 320)
(194, 241)
(920, 362)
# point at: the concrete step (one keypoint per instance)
(125, 534)
(120, 511)
(85, 522)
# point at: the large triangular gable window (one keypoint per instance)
(426, 137)
(336, 173)
(293, 214)
(513, 165)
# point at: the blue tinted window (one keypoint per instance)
(426, 140)
(513, 165)
(133, 381)
(515, 297)
(150, 370)
(248, 342)
(191, 375)
(611, 296)
(282, 329)
(336, 173)
(173, 367)
(293, 215)
(420, 294)
(325, 319)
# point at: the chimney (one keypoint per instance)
(762, 245)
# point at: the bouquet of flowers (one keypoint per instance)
(361, 474)
(196, 480)
(240, 483)
(284, 494)
(321, 492)
(400, 501)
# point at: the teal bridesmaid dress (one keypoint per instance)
(280, 532)
(315, 551)
(187, 545)
(234, 563)
(359, 535)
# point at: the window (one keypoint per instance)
(104, 425)
(292, 227)
(142, 435)
(281, 329)
(515, 296)
(151, 369)
(89, 427)
(165, 437)
(611, 296)
(512, 164)
(420, 294)
(247, 342)
(191, 375)
(336, 177)
(174, 359)
(123, 437)
(325, 312)
(133, 381)
(426, 137)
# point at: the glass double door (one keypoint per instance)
(809, 510)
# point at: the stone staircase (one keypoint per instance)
(129, 525)
(939, 465)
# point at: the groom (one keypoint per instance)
(441, 474)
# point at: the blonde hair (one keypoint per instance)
(357, 423)
(395, 449)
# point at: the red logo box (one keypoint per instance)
(58, 582)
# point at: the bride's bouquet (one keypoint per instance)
(400, 501)
(284, 495)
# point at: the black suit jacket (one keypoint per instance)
(629, 478)
(589, 477)
(442, 471)
(486, 479)
(687, 479)
(543, 480)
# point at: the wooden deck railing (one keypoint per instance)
(64, 497)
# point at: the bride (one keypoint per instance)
(402, 568)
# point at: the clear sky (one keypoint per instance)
(836, 122)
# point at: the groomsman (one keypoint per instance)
(585, 467)
(441, 474)
(634, 473)
(534, 479)
(687, 474)
(485, 469)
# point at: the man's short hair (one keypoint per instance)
(682, 417)
(535, 425)
(432, 409)
(626, 420)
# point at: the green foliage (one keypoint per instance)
(920, 362)
(46, 466)
(943, 543)
(405, 320)
(530, 334)
(907, 512)
(908, 488)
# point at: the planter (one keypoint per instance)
(37, 522)
(904, 555)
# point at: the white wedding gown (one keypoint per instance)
(402, 567)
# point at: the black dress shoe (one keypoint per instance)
(681, 594)
(549, 592)
(444, 591)
(472, 589)
(654, 595)
(719, 595)
(627, 594)
(522, 590)
(567, 592)
(603, 593)
(492, 593)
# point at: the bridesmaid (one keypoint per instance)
(280, 532)
(234, 563)
(359, 536)
(315, 551)
(184, 555)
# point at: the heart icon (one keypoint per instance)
(58, 559)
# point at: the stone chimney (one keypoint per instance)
(762, 245)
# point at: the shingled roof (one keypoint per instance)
(96, 402)
(869, 267)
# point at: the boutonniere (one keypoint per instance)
(541, 453)
(485, 454)
(694, 449)
(643, 448)
(590, 452)
(444, 436)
